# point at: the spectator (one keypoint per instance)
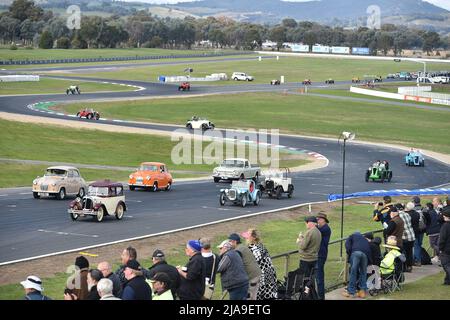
(408, 238)
(192, 285)
(106, 270)
(127, 255)
(382, 210)
(136, 287)
(395, 227)
(33, 289)
(250, 265)
(267, 288)
(160, 265)
(81, 293)
(105, 289)
(211, 261)
(232, 272)
(358, 251)
(433, 228)
(325, 231)
(309, 246)
(375, 251)
(420, 232)
(161, 284)
(387, 266)
(94, 276)
(444, 244)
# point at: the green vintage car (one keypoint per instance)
(379, 172)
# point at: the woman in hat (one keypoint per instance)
(268, 282)
(33, 289)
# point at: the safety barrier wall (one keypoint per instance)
(16, 78)
(392, 193)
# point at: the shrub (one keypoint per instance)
(46, 41)
(13, 47)
(63, 43)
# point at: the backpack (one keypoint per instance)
(425, 257)
(422, 224)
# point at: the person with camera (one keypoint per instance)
(192, 285)
(383, 210)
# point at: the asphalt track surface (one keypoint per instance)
(32, 227)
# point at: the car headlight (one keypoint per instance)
(235, 173)
(148, 177)
(34, 181)
(54, 184)
(131, 177)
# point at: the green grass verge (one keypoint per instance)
(393, 87)
(295, 69)
(278, 235)
(46, 85)
(299, 114)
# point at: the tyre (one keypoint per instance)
(290, 190)
(279, 191)
(235, 79)
(256, 177)
(155, 187)
(74, 216)
(222, 199)
(61, 194)
(89, 116)
(189, 126)
(383, 176)
(100, 214)
(367, 175)
(390, 176)
(132, 188)
(204, 127)
(179, 88)
(36, 195)
(242, 177)
(257, 198)
(244, 200)
(97, 116)
(78, 114)
(169, 186)
(119, 211)
(423, 163)
(81, 193)
(216, 179)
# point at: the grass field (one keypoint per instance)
(299, 114)
(46, 85)
(393, 87)
(278, 235)
(295, 69)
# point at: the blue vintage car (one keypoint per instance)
(415, 159)
(241, 192)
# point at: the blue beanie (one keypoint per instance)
(195, 245)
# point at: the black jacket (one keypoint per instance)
(432, 221)
(93, 294)
(170, 270)
(209, 267)
(444, 238)
(137, 289)
(193, 286)
(375, 251)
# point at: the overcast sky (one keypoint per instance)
(441, 3)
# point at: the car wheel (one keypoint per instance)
(100, 214)
(169, 186)
(279, 191)
(244, 200)
(89, 116)
(390, 176)
(222, 199)
(257, 198)
(81, 193)
(36, 195)
(155, 187)
(132, 188)
(97, 116)
(216, 180)
(119, 211)
(383, 176)
(189, 126)
(78, 114)
(290, 190)
(242, 177)
(256, 177)
(367, 175)
(74, 216)
(204, 127)
(61, 194)
(235, 79)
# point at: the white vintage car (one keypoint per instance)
(199, 123)
(104, 198)
(59, 181)
(236, 169)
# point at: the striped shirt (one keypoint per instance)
(408, 232)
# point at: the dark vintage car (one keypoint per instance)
(329, 81)
(73, 90)
(307, 82)
(275, 82)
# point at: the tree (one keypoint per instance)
(431, 41)
(9, 28)
(289, 23)
(385, 42)
(25, 9)
(278, 34)
(63, 43)
(46, 41)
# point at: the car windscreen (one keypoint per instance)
(55, 173)
(148, 168)
(98, 191)
(239, 184)
(233, 163)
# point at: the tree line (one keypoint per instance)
(28, 24)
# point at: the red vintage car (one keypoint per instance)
(184, 86)
(88, 113)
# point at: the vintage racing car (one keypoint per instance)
(151, 175)
(275, 82)
(307, 82)
(379, 171)
(73, 90)
(88, 113)
(414, 158)
(356, 80)
(276, 183)
(329, 81)
(103, 198)
(199, 123)
(241, 192)
(184, 86)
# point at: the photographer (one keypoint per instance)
(382, 211)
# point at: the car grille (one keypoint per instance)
(87, 204)
(269, 184)
(139, 180)
(232, 194)
(44, 187)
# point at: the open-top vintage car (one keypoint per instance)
(329, 81)
(241, 192)
(199, 123)
(276, 183)
(414, 158)
(356, 80)
(307, 82)
(104, 197)
(88, 113)
(73, 90)
(151, 175)
(184, 86)
(59, 181)
(379, 171)
(275, 82)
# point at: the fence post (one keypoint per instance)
(286, 265)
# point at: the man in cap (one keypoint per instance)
(136, 288)
(444, 244)
(251, 266)
(33, 289)
(160, 265)
(395, 227)
(192, 285)
(161, 287)
(325, 231)
(232, 272)
(308, 246)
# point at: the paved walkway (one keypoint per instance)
(417, 274)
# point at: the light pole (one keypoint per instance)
(345, 136)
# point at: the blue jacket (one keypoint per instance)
(357, 242)
(432, 221)
(326, 234)
(36, 295)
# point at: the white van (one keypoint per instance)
(241, 76)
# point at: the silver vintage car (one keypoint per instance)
(59, 181)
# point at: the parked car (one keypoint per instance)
(414, 158)
(151, 175)
(184, 86)
(236, 168)
(73, 90)
(59, 181)
(104, 197)
(241, 76)
(199, 123)
(356, 80)
(88, 113)
(329, 81)
(241, 192)
(379, 171)
(277, 183)
(275, 82)
(307, 82)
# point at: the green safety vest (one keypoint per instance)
(387, 266)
